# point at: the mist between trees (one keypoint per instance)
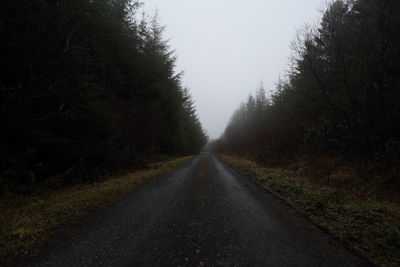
(85, 87)
(341, 94)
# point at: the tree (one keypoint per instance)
(341, 94)
(85, 87)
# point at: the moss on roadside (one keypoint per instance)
(368, 226)
(26, 222)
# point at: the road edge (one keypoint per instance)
(71, 214)
(298, 212)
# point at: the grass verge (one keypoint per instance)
(369, 227)
(26, 222)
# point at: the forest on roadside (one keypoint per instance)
(340, 95)
(87, 87)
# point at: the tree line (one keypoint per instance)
(341, 93)
(85, 87)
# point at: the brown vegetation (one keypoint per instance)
(26, 222)
(368, 226)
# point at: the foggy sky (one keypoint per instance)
(227, 47)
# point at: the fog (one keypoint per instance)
(227, 47)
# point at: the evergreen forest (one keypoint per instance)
(339, 96)
(86, 88)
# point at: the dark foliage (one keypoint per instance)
(85, 86)
(341, 95)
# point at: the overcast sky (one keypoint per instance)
(227, 47)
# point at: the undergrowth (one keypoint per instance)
(26, 222)
(368, 226)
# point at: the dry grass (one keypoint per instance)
(27, 221)
(369, 227)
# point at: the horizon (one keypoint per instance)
(244, 48)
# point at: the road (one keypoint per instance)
(201, 214)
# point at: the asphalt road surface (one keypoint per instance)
(201, 214)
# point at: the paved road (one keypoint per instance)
(201, 214)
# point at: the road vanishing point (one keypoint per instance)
(200, 214)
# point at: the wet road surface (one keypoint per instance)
(201, 214)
